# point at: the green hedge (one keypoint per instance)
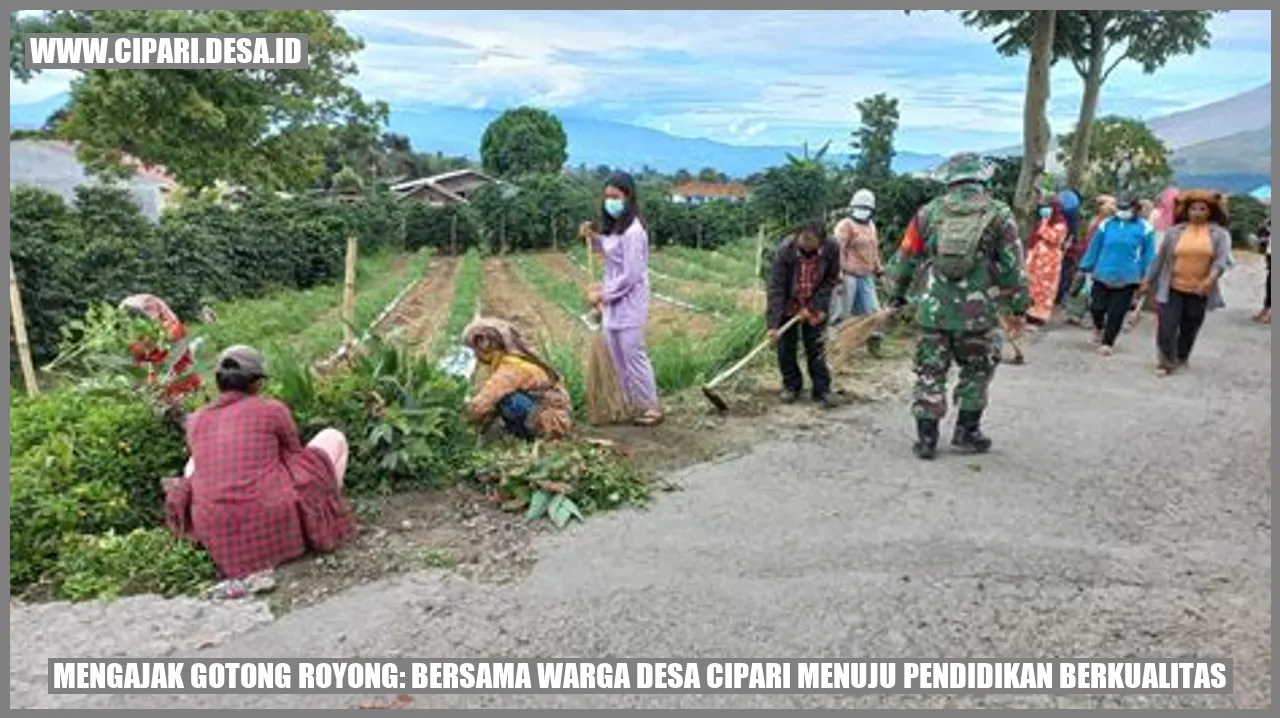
(101, 248)
(83, 463)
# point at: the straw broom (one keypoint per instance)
(606, 403)
(853, 334)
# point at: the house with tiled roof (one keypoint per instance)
(701, 192)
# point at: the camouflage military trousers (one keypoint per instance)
(973, 352)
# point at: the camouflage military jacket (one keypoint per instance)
(998, 281)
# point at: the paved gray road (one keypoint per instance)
(1119, 514)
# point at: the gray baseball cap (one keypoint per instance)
(243, 359)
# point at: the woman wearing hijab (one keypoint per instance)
(520, 387)
(1184, 277)
(624, 294)
(182, 379)
(1044, 261)
(1070, 200)
(1077, 295)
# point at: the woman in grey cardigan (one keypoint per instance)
(1184, 277)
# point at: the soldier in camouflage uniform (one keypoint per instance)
(969, 243)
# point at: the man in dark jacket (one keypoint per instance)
(805, 272)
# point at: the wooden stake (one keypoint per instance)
(20, 333)
(349, 293)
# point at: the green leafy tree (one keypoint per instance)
(802, 189)
(1096, 42)
(261, 128)
(524, 140)
(711, 174)
(872, 142)
(1123, 155)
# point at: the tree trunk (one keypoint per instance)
(1078, 162)
(1035, 124)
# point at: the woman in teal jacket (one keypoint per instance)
(1117, 261)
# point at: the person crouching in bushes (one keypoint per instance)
(252, 494)
(1183, 280)
(520, 387)
(182, 380)
(804, 275)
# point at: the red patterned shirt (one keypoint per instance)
(807, 278)
(256, 497)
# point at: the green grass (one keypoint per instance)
(708, 299)
(297, 322)
(680, 360)
(462, 306)
(730, 267)
(564, 292)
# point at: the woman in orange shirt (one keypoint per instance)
(1184, 278)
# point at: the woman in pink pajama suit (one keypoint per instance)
(624, 294)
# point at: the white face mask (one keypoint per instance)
(861, 214)
(1125, 214)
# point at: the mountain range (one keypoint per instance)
(1225, 144)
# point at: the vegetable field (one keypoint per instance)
(706, 309)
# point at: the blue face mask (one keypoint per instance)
(614, 207)
(1045, 213)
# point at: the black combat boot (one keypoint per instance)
(926, 446)
(968, 436)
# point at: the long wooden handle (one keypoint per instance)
(751, 355)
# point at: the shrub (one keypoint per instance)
(83, 463)
(402, 417)
(1247, 215)
(101, 249)
(140, 561)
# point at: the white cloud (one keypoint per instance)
(751, 76)
(42, 86)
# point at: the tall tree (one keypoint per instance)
(1096, 42)
(524, 140)
(1035, 118)
(872, 142)
(1123, 155)
(263, 128)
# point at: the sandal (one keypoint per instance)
(649, 418)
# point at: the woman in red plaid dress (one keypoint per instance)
(253, 495)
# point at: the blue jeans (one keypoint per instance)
(515, 409)
(861, 292)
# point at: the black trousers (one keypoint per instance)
(1266, 300)
(815, 354)
(1180, 320)
(1109, 305)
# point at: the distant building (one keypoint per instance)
(456, 187)
(51, 165)
(702, 192)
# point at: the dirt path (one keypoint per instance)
(1119, 514)
(508, 295)
(426, 308)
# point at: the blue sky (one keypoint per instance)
(757, 77)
